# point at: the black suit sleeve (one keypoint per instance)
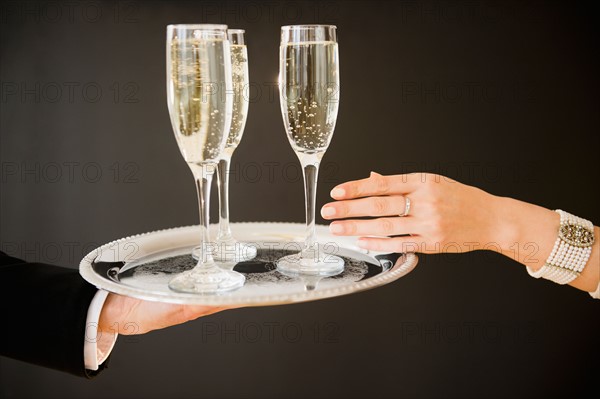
(44, 310)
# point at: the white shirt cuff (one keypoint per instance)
(596, 294)
(97, 346)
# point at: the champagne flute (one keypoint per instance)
(228, 249)
(200, 100)
(309, 96)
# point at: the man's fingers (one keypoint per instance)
(392, 205)
(373, 227)
(192, 312)
(374, 185)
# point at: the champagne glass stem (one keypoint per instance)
(310, 170)
(223, 186)
(203, 174)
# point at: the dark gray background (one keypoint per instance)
(502, 95)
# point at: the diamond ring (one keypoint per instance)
(406, 207)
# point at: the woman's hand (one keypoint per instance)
(444, 214)
(447, 216)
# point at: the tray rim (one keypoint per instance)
(86, 271)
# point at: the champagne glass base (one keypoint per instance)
(327, 266)
(228, 252)
(207, 279)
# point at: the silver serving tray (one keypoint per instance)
(141, 266)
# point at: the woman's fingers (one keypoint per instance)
(373, 227)
(394, 244)
(392, 205)
(375, 185)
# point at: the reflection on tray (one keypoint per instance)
(260, 271)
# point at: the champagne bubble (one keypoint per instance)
(310, 116)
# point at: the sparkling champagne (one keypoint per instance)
(239, 67)
(197, 99)
(309, 96)
(309, 82)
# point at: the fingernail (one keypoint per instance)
(336, 228)
(363, 243)
(337, 192)
(374, 174)
(327, 211)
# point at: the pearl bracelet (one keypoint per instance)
(571, 251)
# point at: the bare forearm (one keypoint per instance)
(527, 234)
(447, 214)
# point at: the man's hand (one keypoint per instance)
(129, 316)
